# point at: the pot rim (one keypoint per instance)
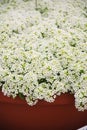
(63, 99)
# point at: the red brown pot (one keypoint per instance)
(15, 114)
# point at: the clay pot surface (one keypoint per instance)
(16, 114)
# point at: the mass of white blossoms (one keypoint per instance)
(43, 49)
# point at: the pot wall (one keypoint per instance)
(60, 115)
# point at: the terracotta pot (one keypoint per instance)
(15, 114)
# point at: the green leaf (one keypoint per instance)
(21, 96)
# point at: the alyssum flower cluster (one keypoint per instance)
(43, 49)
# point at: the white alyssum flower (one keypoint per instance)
(43, 49)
